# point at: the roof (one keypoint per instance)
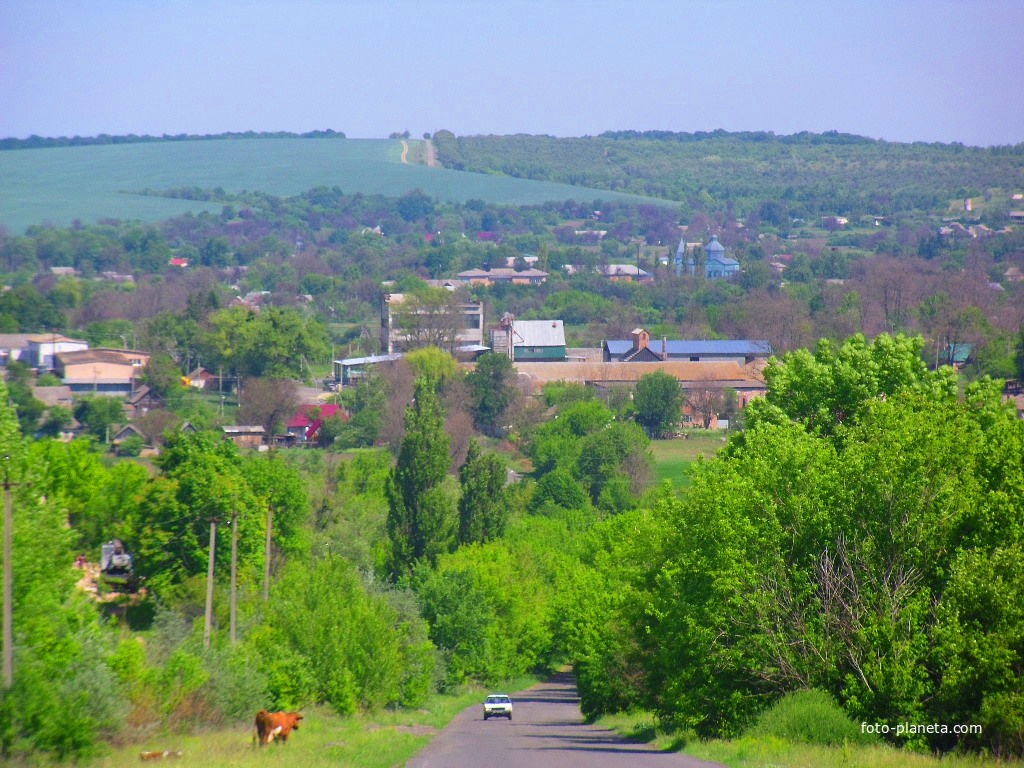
(501, 273)
(349, 361)
(311, 417)
(697, 347)
(722, 259)
(15, 340)
(51, 396)
(98, 356)
(243, 430)
(614, 270)
(538, 333)
(51, 338)
(729, 373)
(714, 246)
(304, 417)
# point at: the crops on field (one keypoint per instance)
(58, 185)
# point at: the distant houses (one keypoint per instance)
(530, 276)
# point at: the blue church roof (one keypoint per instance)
(714, 246)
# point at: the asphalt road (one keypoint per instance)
(546, 731)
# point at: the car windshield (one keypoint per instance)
(497, 699)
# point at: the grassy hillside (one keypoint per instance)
(61, 184)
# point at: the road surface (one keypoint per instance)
(546, 731)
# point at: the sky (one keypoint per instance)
(900, 70)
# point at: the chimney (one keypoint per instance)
(664, 347)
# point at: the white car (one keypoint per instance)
(498, 705)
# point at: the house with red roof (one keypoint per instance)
(305, 424)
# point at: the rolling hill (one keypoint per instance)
(61, 184)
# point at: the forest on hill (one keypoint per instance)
(812, 174)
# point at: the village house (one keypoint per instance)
(628, 273)
(101, 371)
(744, 379)
(641, 348)
(43, 348)
(246, 436)
(305, 425)
(13, 347)
(530, 276)
(529, 340)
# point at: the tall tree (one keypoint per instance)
(492, 389)
(657, 399)
(483, 511)
(420, 518)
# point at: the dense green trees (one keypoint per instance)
(846, 541)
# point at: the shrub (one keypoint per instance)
(810, 717)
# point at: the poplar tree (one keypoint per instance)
(482, 508)
(420, 516)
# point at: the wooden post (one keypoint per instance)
(266, 554)
(208, 625)
(8, 618)
(234, 577)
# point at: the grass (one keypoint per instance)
(768, 751)
(773, 752)
(61, 184)
(325, 740)
(673, 458)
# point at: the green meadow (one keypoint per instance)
(673, 458)
(61, 184)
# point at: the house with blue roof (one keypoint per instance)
(641, 348)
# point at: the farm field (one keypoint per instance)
(672, 458)
(61, 184)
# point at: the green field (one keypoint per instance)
(673, 458)
(60, 184)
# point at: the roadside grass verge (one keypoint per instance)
(773, 752)
(761, 752)
(324, 740)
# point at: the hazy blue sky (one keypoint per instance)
(903, 70)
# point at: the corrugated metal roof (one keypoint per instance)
(697, 347)
(538, 333)
(743, 377)
(371, 359)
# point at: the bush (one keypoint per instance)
(810, 717)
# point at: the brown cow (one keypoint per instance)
(275, 725)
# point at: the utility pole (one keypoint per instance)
(234, 577)
(8, 618)
(266, 555)
(208, 624)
